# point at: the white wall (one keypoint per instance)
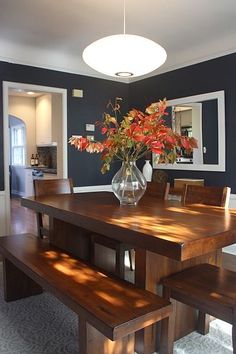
(44, 119)
(57, 130)
(24, 108)
(3, 214)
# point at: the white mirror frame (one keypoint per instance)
(220, 96)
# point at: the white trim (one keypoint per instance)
(232, 201)
(81, 69)
(165, 69)
(18, 85)
(100, 188)
(19, 194)
(220, 167)
(230, 249)
(6, 145)
(64, 69)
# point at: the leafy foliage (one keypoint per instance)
(130, 137)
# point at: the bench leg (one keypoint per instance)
(82, 335)
(120, 262)
(92, 341)
(234, 338)
(234, 331)
(167, 328)
(17, 285)
(167, 335)
(203, 324)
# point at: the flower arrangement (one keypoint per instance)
(130, 137)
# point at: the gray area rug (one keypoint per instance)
(42, 325)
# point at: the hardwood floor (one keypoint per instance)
(24, 220)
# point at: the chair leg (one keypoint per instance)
(130, 260)
(203, 324)
(39, 221)
(92, 250)
(120, 262)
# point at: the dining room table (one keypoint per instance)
(167, 237)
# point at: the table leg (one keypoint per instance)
(70, 238)
(145, 339)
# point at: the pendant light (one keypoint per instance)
(124, 55)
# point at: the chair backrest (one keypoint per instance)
(158, 190)
(218, 196)
(52, 186)
(159, 176)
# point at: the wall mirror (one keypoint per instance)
(203, 117)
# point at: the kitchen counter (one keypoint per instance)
(44, 169)
(47, 173)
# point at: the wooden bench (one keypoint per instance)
(110, 310)
(210, 289)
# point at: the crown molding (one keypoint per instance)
(30, 56)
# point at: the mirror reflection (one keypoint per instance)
(200, 116)
(197, 119)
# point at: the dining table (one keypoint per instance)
(167, 237)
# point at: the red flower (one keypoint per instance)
(103, 130)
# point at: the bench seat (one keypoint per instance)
(114, 307)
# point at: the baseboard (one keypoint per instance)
(232, 201)
(100, 188)
(230, 249)
(18, 193)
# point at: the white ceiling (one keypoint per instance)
(53, 33)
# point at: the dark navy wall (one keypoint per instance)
(209, 76)
(213, 75)
(84, 168)
(210, 131)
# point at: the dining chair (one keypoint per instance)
(217, 196)
(154, 189)
(159, 176)
(159, 190)
(209, 289)
(43, 187)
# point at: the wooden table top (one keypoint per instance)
(164, 227)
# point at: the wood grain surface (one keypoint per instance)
(114, 307)
(164, 227)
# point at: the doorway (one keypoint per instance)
(34, 143)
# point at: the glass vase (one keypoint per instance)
(129, 184)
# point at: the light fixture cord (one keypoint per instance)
(124, 18)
